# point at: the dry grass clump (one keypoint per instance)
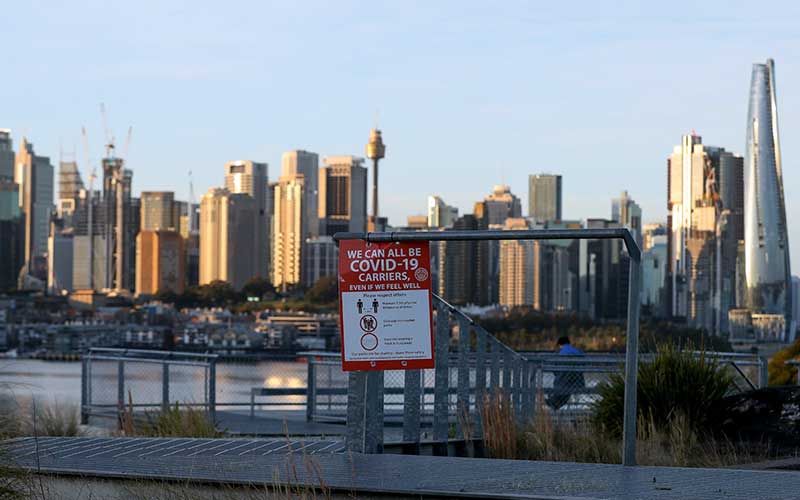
(177, 421)
(499, 425)
(677, 444)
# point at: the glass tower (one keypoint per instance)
(767, 273)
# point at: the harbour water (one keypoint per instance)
(60, 382)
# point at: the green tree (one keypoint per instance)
(217, 293)
(258, 287)
(324, 291)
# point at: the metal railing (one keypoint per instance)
(365, 409)
(115, 379)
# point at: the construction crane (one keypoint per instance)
(109, 137)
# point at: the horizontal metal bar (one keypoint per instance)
(620, 233)
(149, 352)
(174, 362)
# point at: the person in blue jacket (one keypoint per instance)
(565, 383)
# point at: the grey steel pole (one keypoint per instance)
(84, 389)
(763, 372)
(165, 387)
(212, 390)
(311, 389)
(631, 362)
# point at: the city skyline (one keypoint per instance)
(609, 118)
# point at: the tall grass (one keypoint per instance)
(176, 421)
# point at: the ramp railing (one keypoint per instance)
(366, 390)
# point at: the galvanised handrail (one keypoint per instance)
(366, 420)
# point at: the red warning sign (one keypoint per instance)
(385, 305)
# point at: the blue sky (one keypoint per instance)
(468, 94)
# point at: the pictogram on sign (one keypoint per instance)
(385, 305)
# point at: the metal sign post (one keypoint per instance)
(359, 387)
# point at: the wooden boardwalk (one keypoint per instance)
(263, 461)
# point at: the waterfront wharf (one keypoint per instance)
(259, 462)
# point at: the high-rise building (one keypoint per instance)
(516, 267)
(320, 259)
(252, 178)
(701, 242)
(544, 197)
(463, 266)
(160, 211)
(628, 213)
(288, 230)
(440, 214)
(226, 237)
(650, 232)
(121, 218)
(654, 274)
(12, 235)
(767, 270)
(342, 195)
(159, 262)
(417, 222)
(34, 176)
(70, 186)
(304, 163)
(6, 155)
(501, 205)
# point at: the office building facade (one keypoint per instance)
(440, 214)
(342, 195)
(252, 178)
(544, 197)
(34, 176)
(227, 252)
(160, 263)
(288, 231)
(305, 163)
(160, 211)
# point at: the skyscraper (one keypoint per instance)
(121, 224)
(516, 268)
(628, 213)
(440, 214)
(701, 244)
(304, 163)
(12, 235)
(767, 270)
(501, 205)
(6, 155)
(226, 237)
(70, 185)
(252, 178)
(34, 175)
(544, 197)
(342, 195)
(159, 211)
(288, 229)
(159, 262)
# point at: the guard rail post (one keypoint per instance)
(631, 353)
(165, 387)
(85, 389)
(763, 372)
(311, 389)
(212, 389)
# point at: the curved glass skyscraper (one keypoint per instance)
(767, 274)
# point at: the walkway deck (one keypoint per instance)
(260, 461)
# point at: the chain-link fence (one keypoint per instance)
(113, 380)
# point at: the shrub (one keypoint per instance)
(677, 384)
(779, 373)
